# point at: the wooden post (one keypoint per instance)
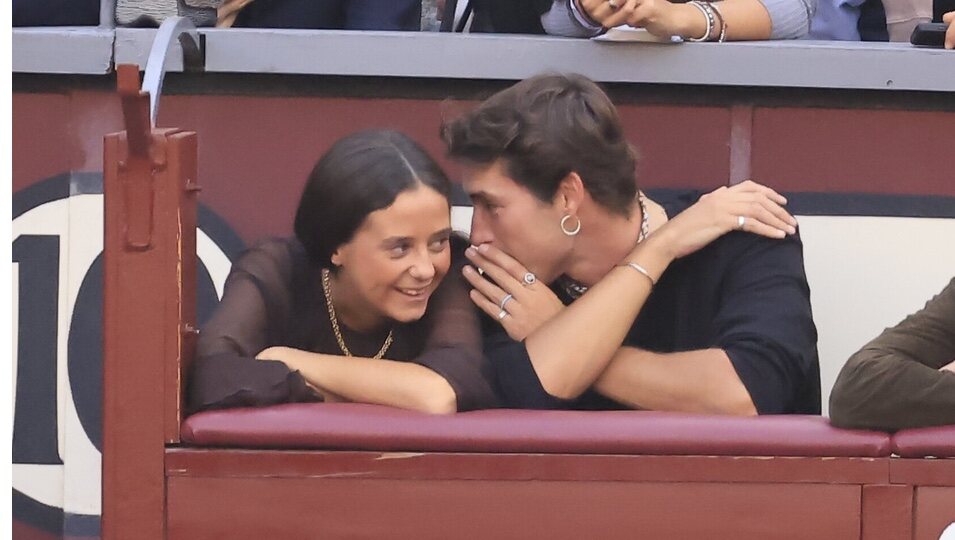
(149, 186)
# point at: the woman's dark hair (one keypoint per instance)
(359, 174)
(546, 127)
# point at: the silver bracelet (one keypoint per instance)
(719, 15)
(710, 20)
(642, 270)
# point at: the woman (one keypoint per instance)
(728, 328)
(356, 307)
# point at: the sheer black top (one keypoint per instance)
(273, 297)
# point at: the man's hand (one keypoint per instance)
(519, 306)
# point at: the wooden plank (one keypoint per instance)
(142, 314)
(133, 501)
(934, 511)
(922, 472)
(886, 512)
(246, 508)
(181, 210)
(549, 467)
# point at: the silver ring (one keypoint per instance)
(507, 298)
(740, 222)
(501, 315)
(529, 279)
(612, 4)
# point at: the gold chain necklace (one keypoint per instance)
(334, 320)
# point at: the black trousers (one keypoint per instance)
(55, 12)
(509, 16)
(332, 14)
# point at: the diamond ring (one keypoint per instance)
(529, 279)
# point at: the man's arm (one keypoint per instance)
(903, 378)
(696, 381)
(759, 354)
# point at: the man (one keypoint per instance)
(728, 327)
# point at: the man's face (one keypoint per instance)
(508, 216)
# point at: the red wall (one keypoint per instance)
(255, 151)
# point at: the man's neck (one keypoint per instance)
(605, 239)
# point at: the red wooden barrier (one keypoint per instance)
(154, 487)
(149, 316)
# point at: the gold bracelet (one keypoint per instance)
(642, 270)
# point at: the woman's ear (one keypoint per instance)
(336, 257)
(570, 193)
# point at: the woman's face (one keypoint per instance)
(395, 260)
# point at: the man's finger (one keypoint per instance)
(482, 285)
(487, 306)
(500, 276)
(505, 261)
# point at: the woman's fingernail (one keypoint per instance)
(467, 269)
(483, 248)
(470, 252)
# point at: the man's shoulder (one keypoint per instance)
(674, 200)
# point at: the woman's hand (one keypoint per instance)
(747, 206)
(659, 17)
(528, 305)
(279, 354)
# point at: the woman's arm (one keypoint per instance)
(366, 380)
(249, 316)
(448, 375)
(744, 19)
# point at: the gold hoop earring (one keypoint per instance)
(563, 226)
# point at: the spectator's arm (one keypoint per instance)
(763, 351)
(695, 381)
(901, 379)
(745, 19)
